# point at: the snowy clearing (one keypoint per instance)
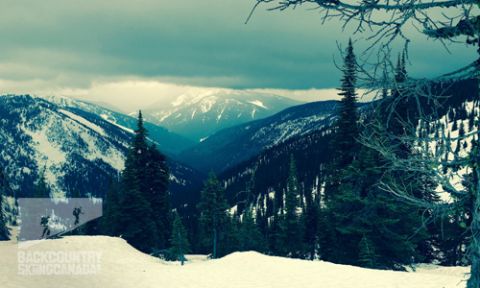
(123, 266)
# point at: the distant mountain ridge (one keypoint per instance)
(199, 115)
(230, 146)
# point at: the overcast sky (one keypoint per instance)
(59, 46)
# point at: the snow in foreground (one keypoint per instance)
(123, 266)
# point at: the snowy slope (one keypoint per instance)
(167, 141)
(78, 150)
(454, 135)
(36, 135)
(198, 115)
(121, 266)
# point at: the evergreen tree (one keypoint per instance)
(362, 213)
(347, 126)
(4, 187)
(250, 237)
(311, 218)
(461, 131)
(277, 235)
(136, 222)
(455, 125)
(213, 214)
(179, 240)
(345, 220)
(144, 215)
(344, 142)
(400, 110)
(229, 236)
(261, 220)
(340, 198)
(366, 254)
(41, 187)
(471, 120)
(111, 209)
(157, 177)
(294, 231)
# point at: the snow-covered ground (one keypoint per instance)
(120, 266)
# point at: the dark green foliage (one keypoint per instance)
(347, 124)
(41, 187)
(473, 187)
(293, 225)
(4, 232)
(360, 215)
(361, 209)
(346, 223)
(138, 208)
(136, 222)
(455, 126)
(111, 209)
(341, 198)
(156, 192)
(344, 144)
(277, 235)
(471, 121)
(213, 215)
(250, 237)
(454, 233)
(179, 240)
(229, 236)
(4, 184)
(461, 131)
(366, 253)
(311, 219)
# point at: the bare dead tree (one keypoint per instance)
(384, 21)
(433, 150)
(388, 19)
(435, 155)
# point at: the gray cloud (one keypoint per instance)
(72, 43)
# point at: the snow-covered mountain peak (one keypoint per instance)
(198, 114)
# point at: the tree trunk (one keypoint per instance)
(474, 281)
(214, 254)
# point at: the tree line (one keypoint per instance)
(350, 219)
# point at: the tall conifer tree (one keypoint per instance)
(293, 225)
(213, 214)
(111, 209)
(347, 124)
(340, 199)
(41, 187)
(250, 237)
(179, 240)
(144, 218)
(157, 178)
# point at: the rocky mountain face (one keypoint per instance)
(78, 150)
